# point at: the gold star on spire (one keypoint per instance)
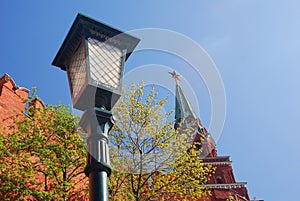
(175, 76)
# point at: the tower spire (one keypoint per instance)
(185, 115)
(183, 108)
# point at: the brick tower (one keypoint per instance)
(222, 184)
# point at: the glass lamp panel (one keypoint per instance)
(105, 63)
(77, 70)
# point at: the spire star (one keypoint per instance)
(175, 76)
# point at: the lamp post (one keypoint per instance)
(93, 55)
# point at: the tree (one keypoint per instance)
(42, 156)
(231, 198)
(150, 159)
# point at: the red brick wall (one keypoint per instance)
(12, 99)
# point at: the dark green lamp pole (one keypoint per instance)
(93, 54)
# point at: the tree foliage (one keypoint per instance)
(151, 160)
(231, 198)
(42, 156)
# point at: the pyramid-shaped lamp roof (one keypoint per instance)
(93, 54)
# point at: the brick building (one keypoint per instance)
(13, 101)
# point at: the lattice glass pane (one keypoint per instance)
(105, 63)
(77, 70)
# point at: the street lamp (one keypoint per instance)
(93, 54)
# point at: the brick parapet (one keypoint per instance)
(12, 99)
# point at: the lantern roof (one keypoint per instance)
(98, 29)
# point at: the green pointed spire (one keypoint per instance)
(185, 115)
(183, 108)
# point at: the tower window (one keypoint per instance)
(219, 180)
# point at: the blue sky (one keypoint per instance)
(254, 44)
